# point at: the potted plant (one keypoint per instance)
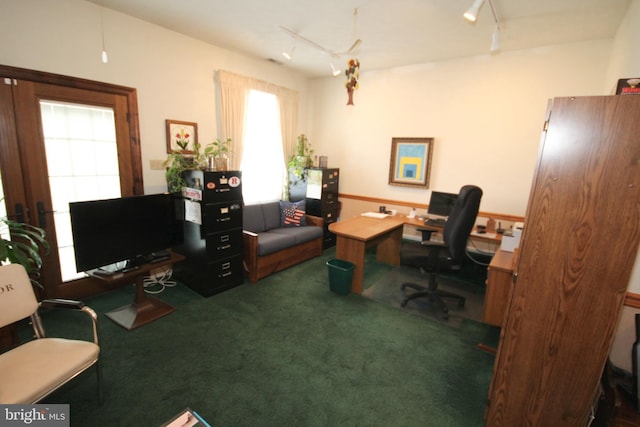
(179, 161)
(219, 150)
(20, 244)
(176, 163)
(301, 160)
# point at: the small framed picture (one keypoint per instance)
(181, 136)
(410, 164)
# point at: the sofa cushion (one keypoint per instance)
(271, 214)
(253, 219)
(270, 242)
(292, 214)
(300, 234)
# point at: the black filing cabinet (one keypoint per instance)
(212, 227)
(322, 198)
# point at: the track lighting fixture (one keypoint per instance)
(334, 70)
(289, 53)
(495, 40)
(495, 37)
(105, 58)
(472, 13)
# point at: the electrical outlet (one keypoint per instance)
(156, 165)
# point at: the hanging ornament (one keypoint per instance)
(351, 83)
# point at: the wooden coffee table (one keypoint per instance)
(355, 235)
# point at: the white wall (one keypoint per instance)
(625, 54)
(173, 74)
(485, 113)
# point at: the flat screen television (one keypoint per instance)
(440, 203)
(132, 229)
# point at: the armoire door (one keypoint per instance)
(63, 140)
(580, 240)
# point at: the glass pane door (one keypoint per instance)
(82, 161)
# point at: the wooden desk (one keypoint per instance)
(499, 279)
(488, 237)
(355, 235)
(144, 309)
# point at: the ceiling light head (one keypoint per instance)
(495, 40)
(335, 71)
(289, 53)
(471, 14)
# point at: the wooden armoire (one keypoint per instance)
(579, 245)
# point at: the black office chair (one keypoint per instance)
(447, 256)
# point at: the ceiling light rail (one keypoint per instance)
(471, 15)
(310, 43)
(331, 54)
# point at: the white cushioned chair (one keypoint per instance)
(35, 368)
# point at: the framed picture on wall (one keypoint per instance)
(181, 136)
(410, 163)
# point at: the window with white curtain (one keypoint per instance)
(263, 164)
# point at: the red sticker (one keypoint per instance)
(211, 185)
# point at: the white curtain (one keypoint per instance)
(234, 90)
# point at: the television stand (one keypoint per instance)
(144, 309)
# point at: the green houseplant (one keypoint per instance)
(296, 168)
(300, 160)
(220, 151)
(20, 244)
(180, 161)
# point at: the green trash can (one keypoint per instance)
(340, 276)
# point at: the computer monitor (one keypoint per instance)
(123, 229)
(441, 203)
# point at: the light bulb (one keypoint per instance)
(472, 13)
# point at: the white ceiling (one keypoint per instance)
(393, 32)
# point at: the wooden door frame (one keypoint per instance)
(82, 287)
(131, 95)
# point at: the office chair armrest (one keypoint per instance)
(62, 303)
(65, 304)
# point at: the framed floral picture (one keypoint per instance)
(410, 163)
(181, 136)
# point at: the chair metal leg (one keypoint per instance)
(99, 382)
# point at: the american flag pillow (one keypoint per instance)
(292, 214)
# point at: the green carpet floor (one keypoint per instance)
(283, 352)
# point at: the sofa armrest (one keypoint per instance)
(315, 220)
(249, 250)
